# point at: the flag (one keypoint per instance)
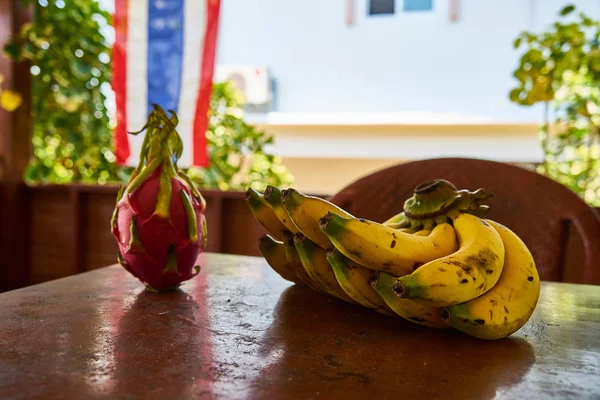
(164, 54)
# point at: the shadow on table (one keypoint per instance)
(344, 351)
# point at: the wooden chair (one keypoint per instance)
(540, 210)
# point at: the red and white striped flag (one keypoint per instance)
(164, 54)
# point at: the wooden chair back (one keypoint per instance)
(540, 210)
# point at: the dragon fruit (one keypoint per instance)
(159, 220)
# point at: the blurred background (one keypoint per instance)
(311, 94)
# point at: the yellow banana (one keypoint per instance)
(354, 280)
(507, 306)
(305, 212)
(293, 259)
(423, 232)
(459, 277)
(418, 232)
(274, 252)
(263, 212)
(382, 248)
(315, 263)
(418, 313)
(273, 197)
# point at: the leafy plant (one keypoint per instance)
(236, 149)
(72, 130)
(70, 72)
(560, 69)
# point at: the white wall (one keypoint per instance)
(405, 62)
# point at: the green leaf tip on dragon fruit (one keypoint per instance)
(159, 219)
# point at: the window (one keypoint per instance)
(381, 7)
(417, 5)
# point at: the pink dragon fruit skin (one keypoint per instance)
(159, 220)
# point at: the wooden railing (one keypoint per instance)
(67, 231)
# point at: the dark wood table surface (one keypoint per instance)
(238, 331)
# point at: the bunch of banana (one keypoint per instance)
(438, 263)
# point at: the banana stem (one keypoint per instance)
(431, 199)
(436, 201)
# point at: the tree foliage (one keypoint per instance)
(236, 149)
(560, 69)
(70, 65)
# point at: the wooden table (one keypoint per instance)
(237, 331)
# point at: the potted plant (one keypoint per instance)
(560, 69)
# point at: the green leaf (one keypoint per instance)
(12, 51)
(567, 10)
(517, 42)
(514, 95)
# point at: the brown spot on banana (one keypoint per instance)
(506, 310)
(530, 278)
(482, 260)
(393, 244)
(445, 315)
(459, 264)
(479, 321)
(374, 279)
(464, 280)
